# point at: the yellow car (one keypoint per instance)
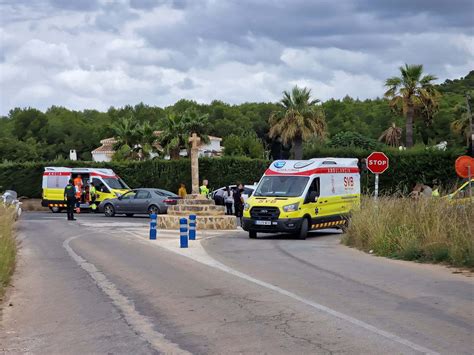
(295, 196)
(108, 185)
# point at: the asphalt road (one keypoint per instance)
(97, 285)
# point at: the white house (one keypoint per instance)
(106, 150)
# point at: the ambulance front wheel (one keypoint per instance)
(252, 234)
(304, 229)
(55, 209)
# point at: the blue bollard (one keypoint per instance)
(192, 227)
(183, 233)
(153, 227)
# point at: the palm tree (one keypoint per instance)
(392, 135)
(125, 132)
(461, 125)
(299, 119)
(126, 136)
(173, 136)
(413, 95)
(196, 122)
(178, 128)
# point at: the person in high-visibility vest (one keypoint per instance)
(93, 196)
(203, 189)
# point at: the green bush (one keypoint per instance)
(353, 139)
(26, 178)
(406, 168)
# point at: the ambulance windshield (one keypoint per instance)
(116, 183)
(281, 186)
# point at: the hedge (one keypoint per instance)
(406, 169)
(26, 178)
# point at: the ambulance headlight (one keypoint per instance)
(118, 194)
(246, 207)
(291, 208)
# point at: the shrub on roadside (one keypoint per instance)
(26, 178)
(431, 230)
(7, 246)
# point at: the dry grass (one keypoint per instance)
(7, 246)
(430, 230)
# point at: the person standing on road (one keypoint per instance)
(238, 201)
(182, 191)
(228, 200)
(70, 197)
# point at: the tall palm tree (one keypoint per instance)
(392, 135)
(412, 94)
(298, 119)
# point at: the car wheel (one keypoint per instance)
(304, 229)
(129, 214)
(252, 235)
(153, 210)
(55, 209)
(109, 210)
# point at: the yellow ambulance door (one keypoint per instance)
(102, 191)
(313, 203)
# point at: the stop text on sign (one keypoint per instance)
(377, 162)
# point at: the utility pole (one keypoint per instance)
(471, 134)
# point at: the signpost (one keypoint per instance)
(377, 163)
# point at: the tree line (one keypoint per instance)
(413, 110)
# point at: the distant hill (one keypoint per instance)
(458, 86)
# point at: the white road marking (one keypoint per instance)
(197, 253)
(140, 324)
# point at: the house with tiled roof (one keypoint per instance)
(106, 151)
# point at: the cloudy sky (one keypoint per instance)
(97, 53)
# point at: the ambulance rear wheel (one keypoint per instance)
(252, 234)
(304, 229)
(109, 210)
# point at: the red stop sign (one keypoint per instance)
(377, 162)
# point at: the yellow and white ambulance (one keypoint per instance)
(295, 196)
(107, 184)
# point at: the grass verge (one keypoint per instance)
(7, 246)
(431, 230)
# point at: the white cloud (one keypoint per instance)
(39, 53)
(99, 53)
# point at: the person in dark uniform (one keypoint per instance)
(70, 197)
(239, 201)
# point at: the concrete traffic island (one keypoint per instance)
(208, 215)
